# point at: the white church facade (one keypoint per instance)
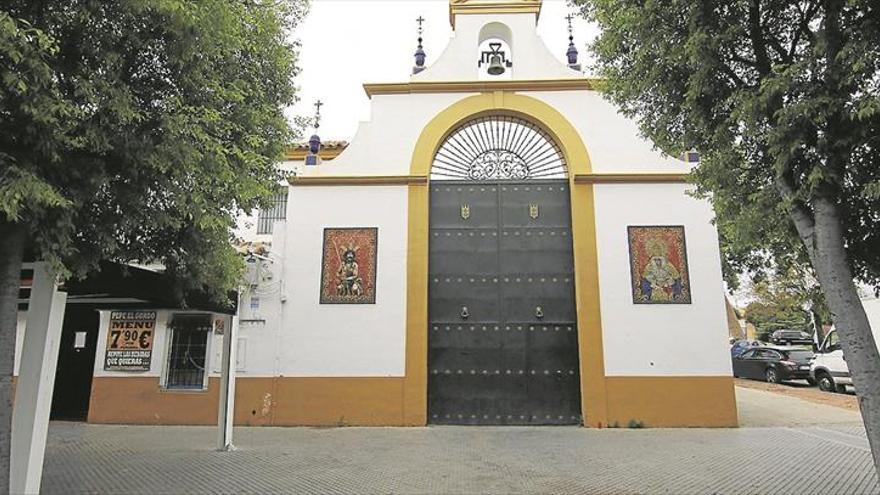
(497, 245)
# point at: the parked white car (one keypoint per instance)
(829, 367)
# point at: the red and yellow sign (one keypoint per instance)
(130, 340)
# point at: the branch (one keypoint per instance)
(732, 74)
(756, 34)
(780, 51)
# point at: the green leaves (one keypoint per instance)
(21, 191)
(781, 99)
(138, 130)
(790, 299)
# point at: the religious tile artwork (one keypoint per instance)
(348, 270)
(658, 263)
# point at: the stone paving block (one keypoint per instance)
(85, 458)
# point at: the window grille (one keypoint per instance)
(276, 210)
(498, 147)
(189, 345)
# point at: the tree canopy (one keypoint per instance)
(782, 100)
(137, 130)
(749, 85)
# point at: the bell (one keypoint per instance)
(496, 68)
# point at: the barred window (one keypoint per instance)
(189, 346)
(276, 210)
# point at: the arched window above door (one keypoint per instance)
(498, 147)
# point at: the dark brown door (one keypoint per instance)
(76, 363)
(502, 328)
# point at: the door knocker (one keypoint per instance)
(539, 312)
(465, 211)
(464, 313)
(533, 211)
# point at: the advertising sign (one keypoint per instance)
(130, 340)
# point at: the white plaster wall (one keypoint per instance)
(613, 141)
(530, 56)
(338, 339)
(384, 144)
(673, 339)
(261, 312)
(872, 309)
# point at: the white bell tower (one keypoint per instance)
(495, 40)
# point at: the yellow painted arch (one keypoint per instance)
(501, 102)
(592, 367)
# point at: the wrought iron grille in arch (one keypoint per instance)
(498, 147)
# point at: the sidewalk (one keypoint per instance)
(129, 459)
(763, 408)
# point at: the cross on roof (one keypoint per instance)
(318, 105)
(569, 17)
(420, 20)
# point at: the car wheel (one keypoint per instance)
(771, 375)
(811, 381)
(826, 383)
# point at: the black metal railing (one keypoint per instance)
(277, 210)
(189, 346)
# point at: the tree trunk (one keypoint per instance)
(11, 252)
(825, 245)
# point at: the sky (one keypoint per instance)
(346, 43)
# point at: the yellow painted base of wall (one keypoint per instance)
(258, 402)
(671, 402)
(358, 401)
(651, 401)
(140, 400)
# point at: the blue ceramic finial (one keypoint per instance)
(420, 52)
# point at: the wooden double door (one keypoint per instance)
(502, 331)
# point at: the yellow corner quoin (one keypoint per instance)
(573, 84)
(593, 388)
(459, 7)
(415, 387)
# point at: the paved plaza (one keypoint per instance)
(802, 458)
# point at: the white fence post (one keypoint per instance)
(36, 381)
(226, 413)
